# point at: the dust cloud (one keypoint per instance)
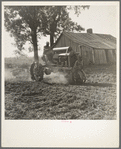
(24, 75)
(57, 77)
(17, 75)
(8, 75)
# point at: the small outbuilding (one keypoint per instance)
(94, 48)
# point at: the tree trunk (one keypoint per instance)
(34, 40)
(36, 58)
(51, 40)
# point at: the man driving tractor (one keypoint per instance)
(47, 54)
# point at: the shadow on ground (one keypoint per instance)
(85, 84)
(96, 84)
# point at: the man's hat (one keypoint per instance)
(47, 43)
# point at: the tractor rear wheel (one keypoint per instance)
(71, 78)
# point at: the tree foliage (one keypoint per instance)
(27, 23)
(57, 20)
(24, 23)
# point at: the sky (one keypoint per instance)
(102, 18)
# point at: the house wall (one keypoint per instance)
(111, 56)
(97, 56)
(100, 56)
(89, 54)
(104, 56)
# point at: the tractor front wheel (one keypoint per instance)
(36, 71)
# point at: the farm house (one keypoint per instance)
(94, 48)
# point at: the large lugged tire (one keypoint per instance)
(71, 78)
(79, 79)
(31, 71)
(36, 71)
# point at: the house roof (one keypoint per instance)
(99, 41)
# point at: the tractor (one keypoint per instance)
(60, 59)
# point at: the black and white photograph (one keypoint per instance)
(60, 66)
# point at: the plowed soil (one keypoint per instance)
(54, 98)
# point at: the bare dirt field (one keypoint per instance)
(54, 98)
